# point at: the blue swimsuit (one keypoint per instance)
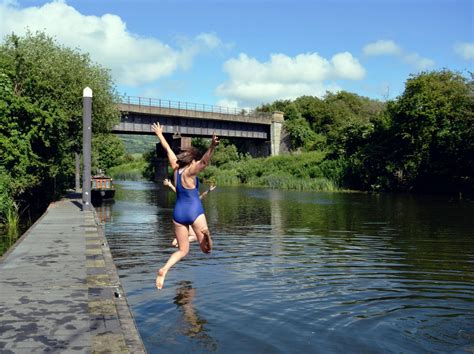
(188, 205)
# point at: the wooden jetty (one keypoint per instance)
(59, 289)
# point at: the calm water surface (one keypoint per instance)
(295, 272)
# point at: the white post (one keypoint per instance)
(86, 141)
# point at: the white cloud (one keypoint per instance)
(134, 60)
(418, 62)
(465, 50)
(382, 47)
(228, 103)
(389, 47)
(210, 40)
(252, 82)
(347, 67)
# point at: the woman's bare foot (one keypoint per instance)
(207, 241)
(191, 238)
(160, 279)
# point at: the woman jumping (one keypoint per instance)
(191, 236)
(188, 210)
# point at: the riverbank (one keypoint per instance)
(130, 171)
(60, 288)
(308, 171)
(297, 171)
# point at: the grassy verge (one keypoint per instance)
(131, 171)
(304, 171)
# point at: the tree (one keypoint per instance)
(433, 130)
(225, 153)
(107, 151)
(41, 85)
(311, 109)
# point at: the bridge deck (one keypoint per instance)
(57, 289)
(138, 120)
(193, 110)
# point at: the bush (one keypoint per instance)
(9, 211)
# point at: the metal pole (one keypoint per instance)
(86, 141)
(78, 172)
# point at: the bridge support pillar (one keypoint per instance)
(161, 162)
(275, 133)
(161, 169)
(180, 143)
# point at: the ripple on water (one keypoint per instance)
(306, 273)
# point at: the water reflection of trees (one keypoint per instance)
(423, 232)
(194, 325)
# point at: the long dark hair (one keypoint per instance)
(187, 155)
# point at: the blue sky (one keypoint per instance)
(245, 53)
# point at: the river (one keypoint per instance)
(299, 272)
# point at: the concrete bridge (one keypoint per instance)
(182, 120)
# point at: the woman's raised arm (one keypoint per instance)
(206, 159)
(158, 129)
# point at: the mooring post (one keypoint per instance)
(78, 172)
(86, 142)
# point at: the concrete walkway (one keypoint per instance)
(59, 289)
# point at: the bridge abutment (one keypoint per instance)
(275, 133)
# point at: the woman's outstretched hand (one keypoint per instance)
(157, 128)
(215, 140)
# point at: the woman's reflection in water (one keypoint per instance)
(194, 325)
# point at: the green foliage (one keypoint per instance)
(201, 144)
(130, 170)
(301, 134)
(312, 109)
(432, 131)
(41, 84)
(225, 153)
(304, 171)
(148, 170)
(5, 194)
(9, 209)
(279, 105)
(423, 140)
(107, 151)
(138, 144)
(220, 176)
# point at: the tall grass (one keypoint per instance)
(303, 171)
(9, 208)
(10, 215)
(287, 181)
(131, 171)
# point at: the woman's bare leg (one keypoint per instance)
(202, 233)
(181, 232)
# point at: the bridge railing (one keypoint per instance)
(198, 107)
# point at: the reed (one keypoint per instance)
(303, 171)
(10, 215)
(287, 181)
